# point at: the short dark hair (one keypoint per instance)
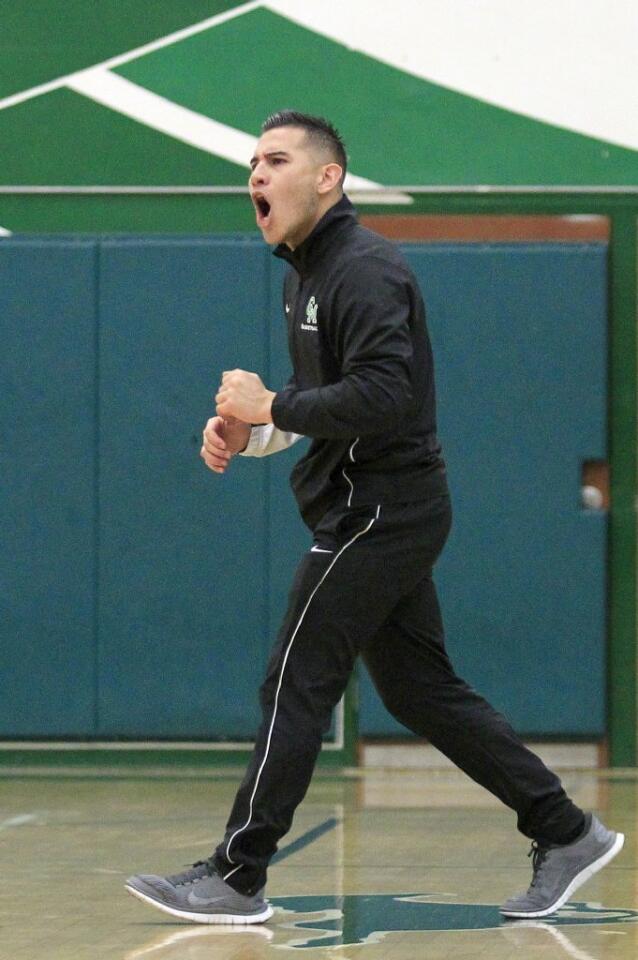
(318, 130)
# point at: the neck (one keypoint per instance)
(325, 204)
(336, 218)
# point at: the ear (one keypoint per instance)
(329, 177)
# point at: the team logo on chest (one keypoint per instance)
(311, 315)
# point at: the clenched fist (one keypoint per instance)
(243, 395)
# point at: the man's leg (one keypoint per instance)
(409, 665)
(411, 670)
(341, 595)
(338, 601)
(307, 673)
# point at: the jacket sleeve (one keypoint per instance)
(265, 439)
(369, 333)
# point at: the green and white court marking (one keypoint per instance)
(324, 921)
(418, 98)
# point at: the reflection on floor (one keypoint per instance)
(381, 864)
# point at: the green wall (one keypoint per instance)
(235, 71)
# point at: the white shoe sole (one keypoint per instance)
(577, 882)
(225, 918)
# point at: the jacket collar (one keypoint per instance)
(303, 257)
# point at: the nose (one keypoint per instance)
(257, 175)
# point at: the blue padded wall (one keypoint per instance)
(141, 592)
(48, 321)
(182, 550)
(519, 335)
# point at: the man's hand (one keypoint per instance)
(243, 395)
(222, 440)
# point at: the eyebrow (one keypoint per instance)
(269, 156)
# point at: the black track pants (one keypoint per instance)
(366, 589)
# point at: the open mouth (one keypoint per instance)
(262, 207)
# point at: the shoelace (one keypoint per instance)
(202, 868)
(538, 855)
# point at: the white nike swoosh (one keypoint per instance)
(320, 550)
(287, 309)
(202, 901)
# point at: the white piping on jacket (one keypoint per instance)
(351, 455)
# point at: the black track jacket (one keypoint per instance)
(363, 380)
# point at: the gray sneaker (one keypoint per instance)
(560, 870)
(199, 895)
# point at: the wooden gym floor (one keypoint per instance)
(380, 865)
